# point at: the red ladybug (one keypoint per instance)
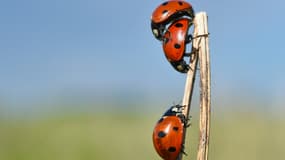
(167, 12)
(168, 133)
(174, 44)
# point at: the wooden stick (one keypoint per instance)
(189, 85)
(205, 86)
(200, 48)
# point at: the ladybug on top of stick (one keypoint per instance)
(170, 23)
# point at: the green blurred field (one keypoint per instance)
(126, 136)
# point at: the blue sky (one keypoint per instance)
(50, 47)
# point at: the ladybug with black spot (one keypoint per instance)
(174, 44)
(168, 133)
(167, 12)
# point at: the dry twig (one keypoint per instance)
(200, 45)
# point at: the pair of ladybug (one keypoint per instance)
(168, 133)
(170, 23)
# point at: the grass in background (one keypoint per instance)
(126, 136)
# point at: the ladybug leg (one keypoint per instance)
(189, 39)
(187, 123)
(182, 116)
(183, 150)
(188, 54)
(184, 120)
(192, 53)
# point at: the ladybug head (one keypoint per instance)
(180, 66)
(174, 110)
(168, 12)
(157, 30)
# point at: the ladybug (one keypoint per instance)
(168, 133)
(174, 44)
(168, 12)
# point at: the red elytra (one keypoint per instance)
(168, 12)
(167, 137)
(174, 40)
(169, 8)
(168, 134)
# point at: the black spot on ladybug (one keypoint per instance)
(175, 128)
(171, 149)
(165, 11)
(178, 25)
(165, 3)
(177, 46)
(160, 120)
(180, 3)
(161, 134)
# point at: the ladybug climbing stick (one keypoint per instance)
(201, 53)
(168, 133)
